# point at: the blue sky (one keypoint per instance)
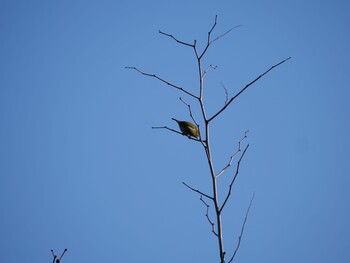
(81, 168)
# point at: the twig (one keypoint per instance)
(207, 69)
(54, 256)
(242, 229)
(228, 31)
(208, 218)
(234, 178)
(190, 111)
(248, 85)
(234, 155)
(164, 81)
(55, 260)
(178, 41)
(197, 191)
(208, 40)
(226, 93)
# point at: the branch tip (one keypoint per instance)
(244, 88)
(242, 229)
(197, 191)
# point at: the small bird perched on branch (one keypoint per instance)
(188, 128)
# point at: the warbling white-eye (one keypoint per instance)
(188, 128)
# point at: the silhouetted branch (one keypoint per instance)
(55, 259)
(208, 218)
(234, 155)
(242, 229)
(197, 191)
(248, 85)
(207, 69)
(178, 41)
(190, 111)
(228, 31)
(54, 256)
(226, 93)
(208, 40)
(163, 80)
(234, 178)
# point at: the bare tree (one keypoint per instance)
(203, 137)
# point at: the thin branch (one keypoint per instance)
(197, 191)
(234, 155)
(226, 93)
(54, 256)
(248, 85)
(207, 69)
(234, 178)
(178, 41)
(208, 218)
(190, 111)
(224, 34)
(208, 40)
(164, 81)
(242, 229)
(55, 260)
(63, 254)
(170, 129)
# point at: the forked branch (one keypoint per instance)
(234, 178)
(247, 86)
(209, 40)
(55, 258)
(233, 156)
(207, 69)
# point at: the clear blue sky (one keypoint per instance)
(81, 168)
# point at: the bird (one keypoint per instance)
(188, 128)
